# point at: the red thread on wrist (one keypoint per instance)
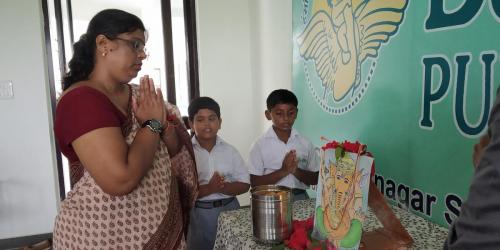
(171, 118)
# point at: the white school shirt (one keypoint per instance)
(268, 152)
(225, 159)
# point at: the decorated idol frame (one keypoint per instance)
(342, 194)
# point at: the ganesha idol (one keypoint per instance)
(342, 195)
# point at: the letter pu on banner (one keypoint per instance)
(428, 96)
(487, 60)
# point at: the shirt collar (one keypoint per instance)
(272, 134)
(195, 142)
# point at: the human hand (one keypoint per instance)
(216, 183)
(290, 162)
(149, 104)
(479, 150)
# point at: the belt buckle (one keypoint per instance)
(217, 203)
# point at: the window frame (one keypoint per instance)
(191, 56)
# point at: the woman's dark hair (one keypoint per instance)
(281, 96)
(110, 23)
(203, 102)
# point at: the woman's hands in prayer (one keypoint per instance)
(150, 103)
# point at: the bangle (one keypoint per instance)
(168, 125)
(172, 121)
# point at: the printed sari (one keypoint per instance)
(155, 215)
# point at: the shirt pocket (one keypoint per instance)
(302, 160)
(224, 166)
(272, 160)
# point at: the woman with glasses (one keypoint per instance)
(132, 170)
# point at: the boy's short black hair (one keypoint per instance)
(281, 96)
(203, 102)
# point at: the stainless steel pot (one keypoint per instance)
(271, 213)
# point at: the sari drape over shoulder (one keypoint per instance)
(154, 215)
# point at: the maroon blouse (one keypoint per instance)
(80, 111)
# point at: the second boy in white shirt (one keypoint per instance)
(282, 156)
(222, 173)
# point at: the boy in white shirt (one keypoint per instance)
(222, 173)
(282, 156)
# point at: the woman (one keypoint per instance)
(132, 170)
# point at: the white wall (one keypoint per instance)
(28, 190)
(272, 49)
(245, 52)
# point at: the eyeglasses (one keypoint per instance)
(137, 45)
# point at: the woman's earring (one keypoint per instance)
(104, 54)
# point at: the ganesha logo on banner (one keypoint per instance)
(339, 45)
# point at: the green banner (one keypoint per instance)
(414, 80)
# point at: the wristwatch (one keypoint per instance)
(153, 125)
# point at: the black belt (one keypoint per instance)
(213, 203)
(297, 191)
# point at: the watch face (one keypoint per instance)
(156, 124)
(153, 125)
